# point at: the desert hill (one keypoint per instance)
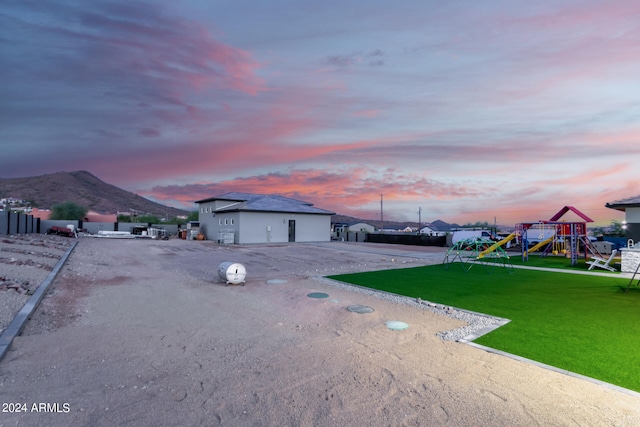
(83, 188)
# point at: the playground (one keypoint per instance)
(552, 238)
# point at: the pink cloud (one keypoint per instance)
(346, 192)
(367, 113)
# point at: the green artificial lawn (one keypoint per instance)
(554, 261)
(580, 323)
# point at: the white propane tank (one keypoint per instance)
(232, 272)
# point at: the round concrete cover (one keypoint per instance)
(318, 295)
(396, 325)
(360, 309)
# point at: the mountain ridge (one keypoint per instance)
(83, 188)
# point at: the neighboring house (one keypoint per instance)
(93, 216)
(361, 227)
(43, 214)
(631, 209)
(431, 230)
(262, 218)
(340, 230)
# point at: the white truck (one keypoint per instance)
(467, 234)
(538, 233)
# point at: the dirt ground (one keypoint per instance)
(144, 333)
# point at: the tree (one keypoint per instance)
(69, 211)
(149, 219)
(193, 216)
(124, 218)
(616, 229)
(478, 224)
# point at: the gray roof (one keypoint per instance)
(622, 204)
(265, 203)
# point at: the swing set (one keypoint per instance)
(568, 238)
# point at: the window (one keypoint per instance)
(231, 221)
(226, 221)
(220, 221)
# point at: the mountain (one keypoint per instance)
(441, 225)
(82, 188)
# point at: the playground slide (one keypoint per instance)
(497, 245)
(539, 245)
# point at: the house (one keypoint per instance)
(42, 214)
(438, 228)
(362, 227)
(93, 216)
(357, 227)
(341, 230)
(431, 230)
(631, 209)
(262, 218)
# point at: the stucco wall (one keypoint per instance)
(313, 228)
(632, 215)
(212, 224)
(263, 227)
(633, 231)
(207, 220)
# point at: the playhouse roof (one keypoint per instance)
(566, 209)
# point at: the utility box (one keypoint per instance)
(603, 247)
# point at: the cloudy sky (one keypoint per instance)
(466, 110)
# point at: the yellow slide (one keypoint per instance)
(539, 245)
(497, 245)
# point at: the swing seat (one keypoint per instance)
(602, 263)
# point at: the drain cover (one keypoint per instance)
(396, 325)
(318, 295)
(360, 309)
(276, 281)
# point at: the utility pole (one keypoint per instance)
(381, 215)
(419, 219)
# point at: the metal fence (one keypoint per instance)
(407, 239)
(19, 223)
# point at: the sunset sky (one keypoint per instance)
(468, 110)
